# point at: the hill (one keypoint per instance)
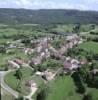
(47, 16)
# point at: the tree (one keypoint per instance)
(49, 63)
(83, 71)
(89, 56)
(76, 29)
(42, 94)
(2, 50)
(92, 27)
(80, 88)
(18, 74)
(87, 97)
(20, 98)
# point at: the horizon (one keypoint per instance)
(82, 5)
(50, 9)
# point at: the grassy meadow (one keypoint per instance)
(63, 88)
(90, 46)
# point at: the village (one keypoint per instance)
(48, 49)
(42, 49)
(45, 50)
(41, 64)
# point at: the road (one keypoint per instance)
(33, 90)
(5, 86)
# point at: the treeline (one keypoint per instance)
(23, 16)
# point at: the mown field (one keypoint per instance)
(90, 46)
(15, 32)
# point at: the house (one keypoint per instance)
(31, 84)
(28, 51)
(63, 58)
(36, 61)
(47, 55)
(13, 64)
(83, 61)
(11, 46)
(95, 71)
(81, 41)
(73, 40)
(48, 75)
(74, 61)
(71, 37)
(71, 64)
(39, 73)
(38, 49)
(19, 61)
(63, 50)
(41, 56)
(67, 66)
(44, 55)
(52, 49)
(42, 46)
(54, 53)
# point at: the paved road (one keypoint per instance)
(4, 85)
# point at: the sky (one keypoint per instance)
(51, 4)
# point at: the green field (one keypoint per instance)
(63, 89)
(69, 28)
(94, 93)
(90, 46)
(10, 33)
(64, 28)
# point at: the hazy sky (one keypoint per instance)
(50, 4)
